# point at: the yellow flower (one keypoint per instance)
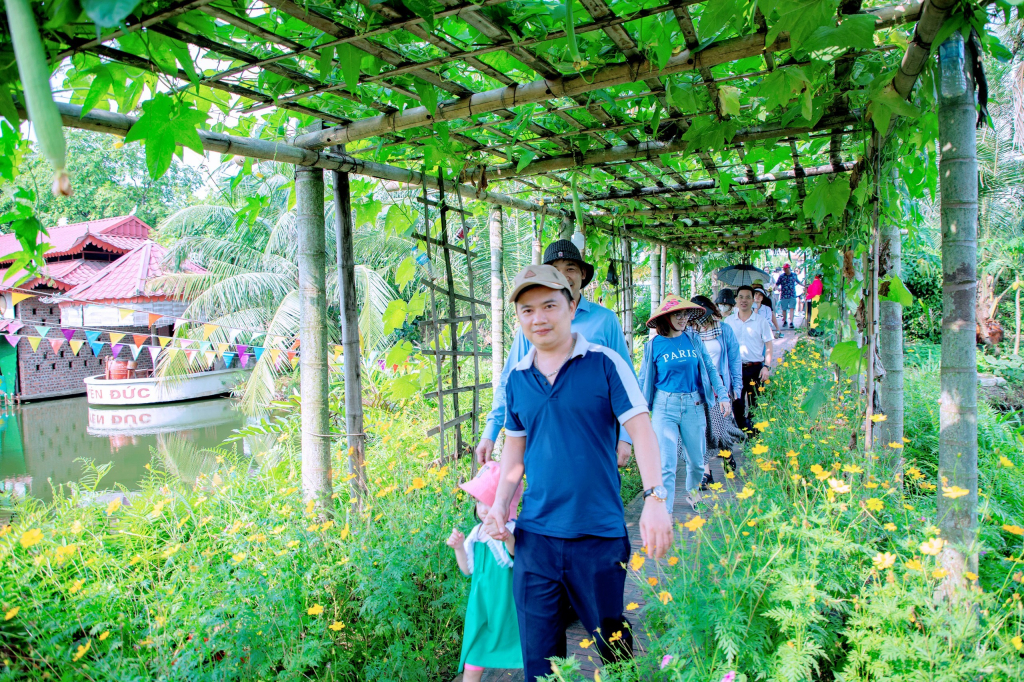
(30, 538)
(585, 643)
(914, 565)
(761, 426)
(82, 650)
(744, 494)
(932, 547)
(336, 625)
(759, 449)
(313, 528)
(970, 576)
(309, 507)
(819, 473)
(884, 560)
(315, 610)
(870, 484)
(1003, 461)
(953, 492)
(792, 454)
(238, 558)
(724, 454)
(852, 469)
(838, 486)
(114, 505)
(418, 484)
(1018, 643)
(637, 562)
(12, 613)
(104, 635)
(878, 418)
(730, 475)
(616, 636)
(874, 504)
(1016, 530)
(890, 526)
(673, 560)
(652, 581)
(664, 597)
(76, 586)
(939, 573)
(694, 524)
(292, 544)
(632, 606)
(896, 446)
(77, 527)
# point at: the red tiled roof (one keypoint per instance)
(62, 275)
(120, 234)
(125, 279)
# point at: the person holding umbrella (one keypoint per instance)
(678, 379)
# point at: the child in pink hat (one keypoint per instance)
(491, 635)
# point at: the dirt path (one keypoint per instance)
(636, 590)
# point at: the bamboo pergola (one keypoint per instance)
(684, 124)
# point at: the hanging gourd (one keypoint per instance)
(34, 70)
(570, 35)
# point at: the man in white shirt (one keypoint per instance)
(754, 334)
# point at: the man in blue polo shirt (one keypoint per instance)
(565, 401)
(595, 322)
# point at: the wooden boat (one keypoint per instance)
(151, 390)
(154, 419)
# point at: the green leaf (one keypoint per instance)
(815, 398)
(184, 57)
(97, 89)
(398, 221)
(398, 354)
(394, 315)
(729, 99)
(847, 356)
(427, 94)
(857, 31)
(164, 125)
(326, 64)
(800, 18)
(828, 310)
(717, 16)
(524, 160)
(109, 13)
(349, 58)
(417, 304)
(367, 212)
(405, 272)
(421, 8)
(827, 198)
(682, 95)
(404, 387)
(893, 290)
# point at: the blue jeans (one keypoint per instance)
(680, 417)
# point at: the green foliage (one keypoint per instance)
(827, 198)
(166, 125)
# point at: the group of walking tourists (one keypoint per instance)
(574, 411)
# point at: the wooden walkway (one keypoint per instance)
(637, 591)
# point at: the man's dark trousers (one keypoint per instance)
(549, 575)
(751, 373)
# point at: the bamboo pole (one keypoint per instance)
(348, 303)
(871, 305)
(565, 228)
(496, 231)
(313, 384)
(655, 260)
(627, 291)
(890, 343)
(674, 277)
(931, 16)
(681, 210)
(664, 272)
(536, 253)
(1016, 335)
(119, 124)
(958, 404)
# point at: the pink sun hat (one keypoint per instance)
(484, 486)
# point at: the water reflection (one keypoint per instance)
(39, 442)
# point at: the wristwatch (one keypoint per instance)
(658, 492)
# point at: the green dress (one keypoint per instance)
(491, 636)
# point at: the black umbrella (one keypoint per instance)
(743, 274)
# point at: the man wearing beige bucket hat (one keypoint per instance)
(566, 400)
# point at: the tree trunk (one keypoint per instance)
(313, 386)
(655, 281)
(627, 292)
(958, 409)
(890, 342)
(349, 307)
(1016, 331)
(677, 284)
(495, 227)
(538, 252)
(565, 229)
(664, 273)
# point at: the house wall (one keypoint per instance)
(45, 374)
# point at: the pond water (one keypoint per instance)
(39, 442)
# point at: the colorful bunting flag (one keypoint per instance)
(258, 352)
(76, 345)
(208, 329)
(184, 343)
(242, 350)
(3, 324)
(126, 312)
(13, 327)
(55, 344)
(210, 357)
(154, 351)
(135, 350)
(243, 359)
(68, 333)
(228, 359)
(164, 340)
(190, 354)
(153, 318)
(34, 341)
(291, 356)
(92, 336)
(116, 337)
(140, 339)
(274, 355)
(17, 297)
(205, 346)
(13, 339)
(115, 348)
(43, 331)
(295, 345)
(97, 347)
(232, 334)
(295, 362)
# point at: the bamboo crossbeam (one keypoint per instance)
(827, 169)
(931, 17)
(119, 124)
(682, 210)
(145, 22)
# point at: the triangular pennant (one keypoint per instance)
(190, 354)
(232, 334)
(13, 327)
(164, 340)
(13, 339)
(68, 333)
(116, 337)
(154, 351)
(228, 359)
(76, 345)
(178, 322)
(97, 347)
(210, 357)
(258, 352)
(221, 347)
(17, 297)
(275, 354)
(338, 350)
(135, 350)
(3, 324)
(115, 348)
(153, 318)
(295, 362)
(295, 346)
(43, 331)
(34, 341)
(242, 350)
(291, 356)
(205, 346)
(93, 336)
(184, 343)
(208, 329)
(126, 312)
(243, 359)
(55, 344)
(140, 339)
